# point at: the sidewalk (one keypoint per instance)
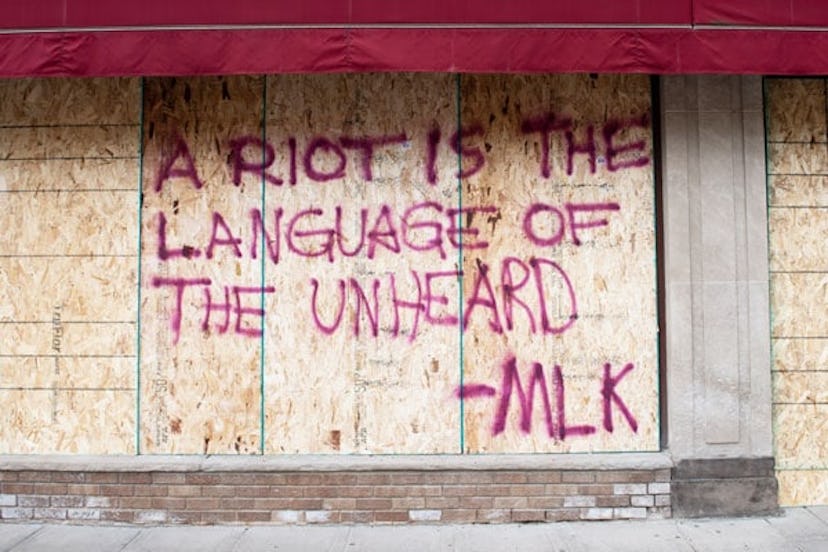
(797, 529)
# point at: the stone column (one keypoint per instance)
(717, 329)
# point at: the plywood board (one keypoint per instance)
(798, 487)
(801, 387)
(791, 354)
(200, 389)
(798, 304)
(69, 338)
(797, 191)
(302, 287)
(69, 102)
(85, 288)
(80, 372)
(798, 239)
(796, 110)
(803, 441)
(76, 175)
(70, 223)
(95, 142)
(566, 200)
(799, 284)
(356, 387)
(67, 421)
(68, 265)
(797, 158)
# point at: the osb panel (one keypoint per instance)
(345, 389)
(75, 175)
(67, 404)
(798, 191)
(593, 237)
(66, 373)
(80, 338)
(200, 381)
(796, 110)
(67, 265)
(30, 102)
(798, 159)
(801, 435)
(798, 304)
(801, 387)
(82, 288)
(384, 378)
(800, 354)
(72, 223)
(799, 292)
(802, 487)
(797, 241)
(52, 421)
(46, 143)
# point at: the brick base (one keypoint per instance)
(456, 496)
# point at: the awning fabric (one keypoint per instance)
(195, 37)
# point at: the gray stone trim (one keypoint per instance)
(723, 468)
(311, 463)
(717, 327)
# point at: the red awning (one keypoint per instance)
(764, 13)
(105, 13)
(192, 37)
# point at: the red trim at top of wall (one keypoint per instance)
(39, 14)
(769, 13)
(78, 14)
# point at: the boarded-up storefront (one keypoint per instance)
(386, 264)
(358, 262)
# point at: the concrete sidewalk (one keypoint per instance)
(797, 529)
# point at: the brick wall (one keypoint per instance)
(457, 496)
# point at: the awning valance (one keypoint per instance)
(191, 37)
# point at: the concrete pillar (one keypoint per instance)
(717, 330)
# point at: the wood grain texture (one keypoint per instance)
(200, 384)
(799, 284)
(325, 260)
(607, 268)
(68, 267)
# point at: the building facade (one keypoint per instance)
(396, 293)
